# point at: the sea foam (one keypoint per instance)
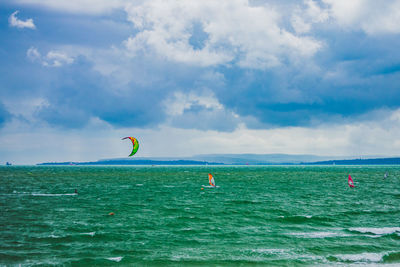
(116, 259)
(319, 234)
(376, 231)
(362, 257)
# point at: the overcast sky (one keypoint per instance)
(198, 77)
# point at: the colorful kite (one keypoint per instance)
(135, 144)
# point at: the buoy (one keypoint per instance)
(111, 213)
(202, 188)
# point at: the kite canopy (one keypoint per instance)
(135, 144)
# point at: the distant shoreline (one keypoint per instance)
(375, 161)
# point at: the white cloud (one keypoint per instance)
(373, 17)
(378, 137)
(52, 59)
(33, 54)
(179, 102)
(235, 31)
(57, 59)
(93, 7)
(194, 110)
(25, 107)
(299, 24)
(19, 141)
(303, 18)
(15, 22)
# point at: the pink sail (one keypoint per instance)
(350, 181)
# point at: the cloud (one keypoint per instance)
(19, 141)
(304, 17)
(199, 111)
(52, 58)
(79, 93)
(91, 7)
(15, 22)
(234, 32)
(370, 16)
(5, 116)
(220, 65)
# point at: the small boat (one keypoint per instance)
(350, 181)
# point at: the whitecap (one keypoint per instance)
(54, 236)
(304, 216)
(376, 231)
(139, 184)
(271, 251)
(90, 233)
(363, 257)
(116, 259)
(319, 234)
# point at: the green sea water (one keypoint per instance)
(257, 216)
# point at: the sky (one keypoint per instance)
(198, 77)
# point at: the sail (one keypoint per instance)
(135, 144)
(350, 181)
(211, 179)
(386, 175)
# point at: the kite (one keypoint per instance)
(135, 144)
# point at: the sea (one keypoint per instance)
(170, 216)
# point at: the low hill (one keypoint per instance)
(238, 159)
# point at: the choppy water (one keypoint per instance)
(262, 216)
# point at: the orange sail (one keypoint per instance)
(211, 180)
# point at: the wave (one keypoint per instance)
(373, 212)
(52, 195)
(383, 257)
(361, 258)
(376, 231)
(305, 218)
(295, 218)
(392, 257)
(271, 251)
(90, 233)
(243, 202)
(64, 237)
(116, 259)
(319, 234)
(39, 194)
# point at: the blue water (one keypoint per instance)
(258, 216)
